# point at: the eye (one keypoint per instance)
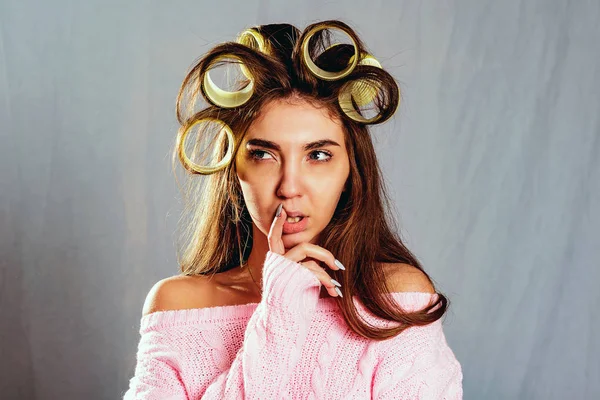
(256, 154)
(259, 155)
(326, 153)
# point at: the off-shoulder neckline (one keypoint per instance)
(244, 311)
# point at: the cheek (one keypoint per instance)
(254, 194)
(335, 179)
(250, 192)
(246, 180)
(326, 192)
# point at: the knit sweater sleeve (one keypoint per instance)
(418, 364)
(157, 371)
(274, 335)
(273, 339)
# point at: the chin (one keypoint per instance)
(293, 239)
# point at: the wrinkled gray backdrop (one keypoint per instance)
(493, 161)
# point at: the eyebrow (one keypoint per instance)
(308, 146)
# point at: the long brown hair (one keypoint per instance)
(217, 235)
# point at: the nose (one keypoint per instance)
(291, 181)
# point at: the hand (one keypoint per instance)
(305, 252)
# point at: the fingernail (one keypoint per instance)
(340, 265)
(279, 210)
(336, 283)
(337, 289)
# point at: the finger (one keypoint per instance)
(322, 276)
(305, 249)
(276, 232)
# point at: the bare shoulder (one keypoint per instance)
(407, 278)
(180, 292)
(200, 291)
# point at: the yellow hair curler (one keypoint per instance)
(202, 169)
(227, 99)
(255, 40)
(362, 91)
(321, 73)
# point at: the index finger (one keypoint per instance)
(276, 231)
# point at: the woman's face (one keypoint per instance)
(295, 154)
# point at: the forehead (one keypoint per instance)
(294, 121)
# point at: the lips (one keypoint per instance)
(294, 213)
(295, 227)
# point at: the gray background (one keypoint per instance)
(493, 161)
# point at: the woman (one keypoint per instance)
(293, 284)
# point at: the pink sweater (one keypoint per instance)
(291, 345)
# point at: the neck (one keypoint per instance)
(255, 261)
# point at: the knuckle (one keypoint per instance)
(331, 258)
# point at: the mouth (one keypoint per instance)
(293, 214)
(295, 224)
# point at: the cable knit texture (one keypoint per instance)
(291, 345)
